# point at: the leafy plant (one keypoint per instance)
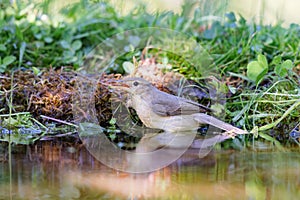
(282, 68)
(6, 61)
(20, 128)
(257, 69)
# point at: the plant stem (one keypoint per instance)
(268, 126)
(14, 114)
(9, 141)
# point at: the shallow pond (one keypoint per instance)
(56, 171)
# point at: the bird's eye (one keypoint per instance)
(135, 83)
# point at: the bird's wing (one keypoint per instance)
(165, 104)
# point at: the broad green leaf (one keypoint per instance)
(256, 70)
(288, 64)
(72, 60)
(3, 47)
(48, 39)
(8, 60)
(38, 36)
(76, 45)
(68, 54)
(65, 44)
(282, 69)
(128, 67)
(2, 68)
(262, 60)
(261, 75)
(276, 60)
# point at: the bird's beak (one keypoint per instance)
(120, 85)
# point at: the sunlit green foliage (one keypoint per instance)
(37, 39)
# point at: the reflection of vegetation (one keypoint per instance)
(22, 128)
(60, 168)
(259, 62)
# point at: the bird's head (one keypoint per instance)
(133, 85)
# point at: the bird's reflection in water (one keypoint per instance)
(158, 184)
(153, 152)
(125, 185)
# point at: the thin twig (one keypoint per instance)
(58, 120)
(14, 114)
(59, 135)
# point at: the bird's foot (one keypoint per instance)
(230, 134)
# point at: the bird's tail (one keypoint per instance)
(206, 119)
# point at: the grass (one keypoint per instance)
(257, 63)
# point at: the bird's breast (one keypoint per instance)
(145, 112)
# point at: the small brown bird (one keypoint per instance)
(161, 110)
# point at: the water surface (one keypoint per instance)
(62, 171)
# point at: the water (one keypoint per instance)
(62, 171)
